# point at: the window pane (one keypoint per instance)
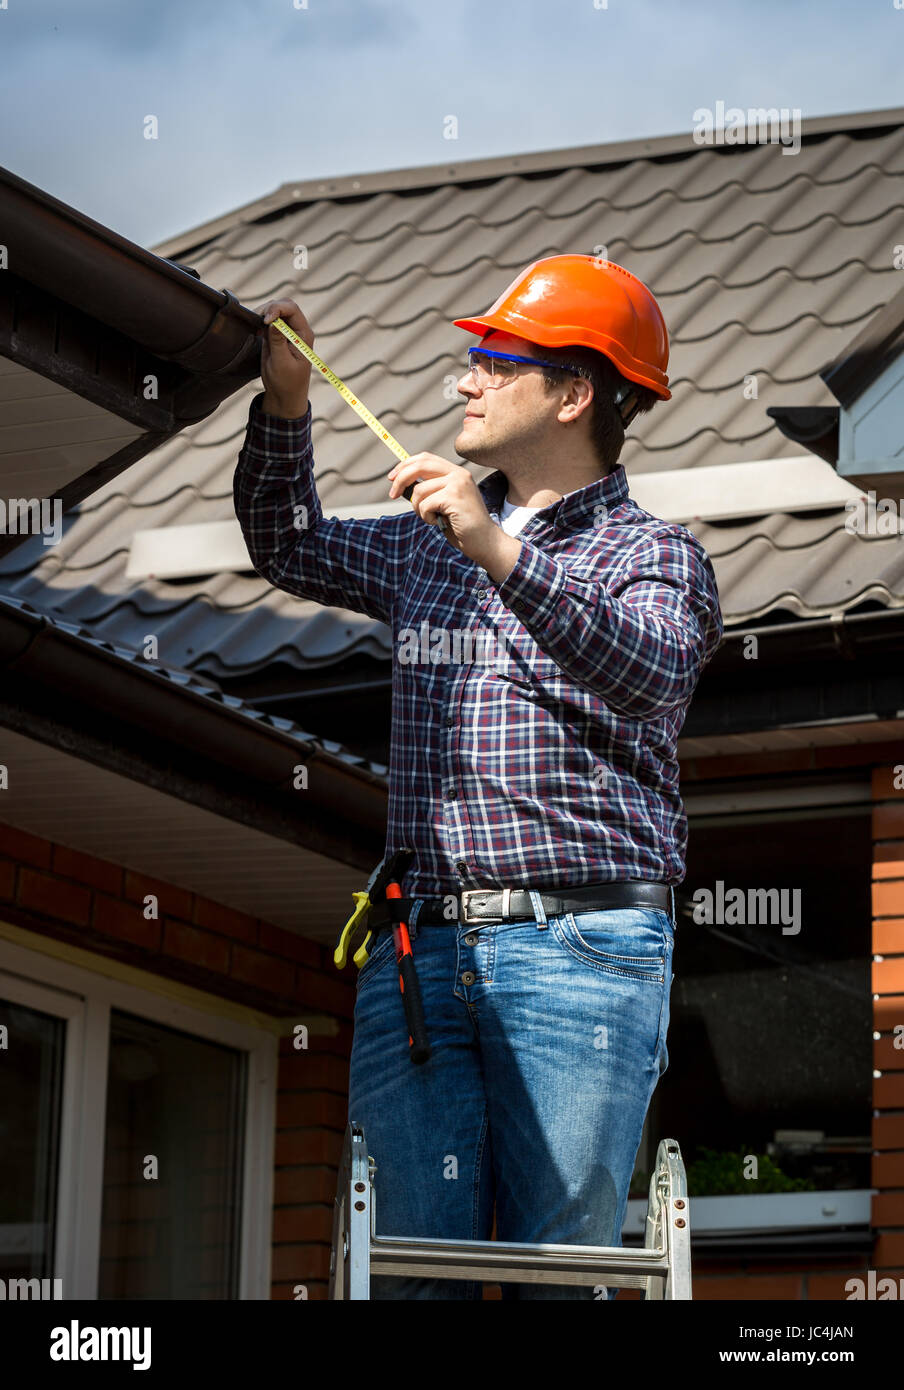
(770, 1039)
(31, 1075)
(175, 1107)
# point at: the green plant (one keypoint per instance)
(717, 1173)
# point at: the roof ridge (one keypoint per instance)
(410, 178)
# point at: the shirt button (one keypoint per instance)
(450, 720)
(468, 977)
(481, 593)
(461, 869)
(451, 793)
(471, 939)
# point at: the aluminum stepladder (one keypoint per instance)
(661, 1267)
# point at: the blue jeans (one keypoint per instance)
(536, 1092)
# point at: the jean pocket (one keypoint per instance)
(629, 942)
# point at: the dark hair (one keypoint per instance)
(607, 427)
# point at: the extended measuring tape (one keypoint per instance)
(357, 406)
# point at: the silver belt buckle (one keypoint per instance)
(468, 893)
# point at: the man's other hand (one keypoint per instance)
(443, 487)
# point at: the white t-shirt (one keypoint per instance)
(513, 518)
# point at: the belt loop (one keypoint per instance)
(672, 891)
(412, 920)
(539, 911)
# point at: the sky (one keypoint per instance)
(247, 95)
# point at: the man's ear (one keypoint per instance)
(578, 400)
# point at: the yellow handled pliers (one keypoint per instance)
(357, 920)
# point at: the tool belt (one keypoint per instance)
(483, 905)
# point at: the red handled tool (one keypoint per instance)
(410, 986)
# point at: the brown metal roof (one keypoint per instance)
(766, 266)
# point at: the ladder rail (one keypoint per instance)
(668, 1222)
(661, 1267)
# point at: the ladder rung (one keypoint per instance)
(516, 1262)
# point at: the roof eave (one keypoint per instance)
(99, 315)
(245, 765)
(160, 305)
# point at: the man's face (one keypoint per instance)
(498, 419)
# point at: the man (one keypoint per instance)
(539, 760)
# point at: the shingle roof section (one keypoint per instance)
(188, 681)
(765, 265)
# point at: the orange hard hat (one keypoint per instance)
(565, 301)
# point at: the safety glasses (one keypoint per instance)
(491, 370)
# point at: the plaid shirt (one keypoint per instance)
(535, 721)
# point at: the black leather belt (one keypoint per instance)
(477, 905)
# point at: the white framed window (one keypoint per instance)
(770, 1036)
(136, 1134)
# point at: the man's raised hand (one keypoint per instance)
(285, 372)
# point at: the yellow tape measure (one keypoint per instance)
(351, 399)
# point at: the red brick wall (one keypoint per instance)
(888, 1012)
(98, 906)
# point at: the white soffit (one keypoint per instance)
(721, 492)
(49, 435)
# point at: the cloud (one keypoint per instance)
(250, 94)
(140, 27)
(346, 24)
